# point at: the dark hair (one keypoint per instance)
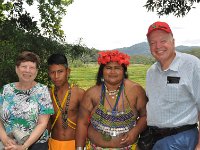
(28, 56)
(100, 73)
(57, 59)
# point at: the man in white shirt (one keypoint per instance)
(173, 90)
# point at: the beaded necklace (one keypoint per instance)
(112, 93)
(117, 107)
(57, 102)
(114, 111)
(103, 96)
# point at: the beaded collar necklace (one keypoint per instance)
(112, 93)
(103, 97)
(64, 112)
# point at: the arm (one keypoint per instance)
(133, 134)
(141, 107)
(50, 121)
(6, 140)
(43, 118)
(35, 135)
(195, 91)
(83, 116)
(38, 131)
(49, 126)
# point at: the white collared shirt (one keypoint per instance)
(174, 94)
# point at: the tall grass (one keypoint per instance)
(85, 76)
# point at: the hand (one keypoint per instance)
(197, 147)
(15, 147)
(7, 141)
(128, 139)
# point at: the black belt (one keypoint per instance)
(163, 132)
(152, 134)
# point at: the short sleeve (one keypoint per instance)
(45, 102)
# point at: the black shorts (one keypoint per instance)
(39, 146)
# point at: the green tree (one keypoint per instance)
(178, 8)
(78, 51)
(90, 55)
(50, 11)
(19, 32)
(14, 40)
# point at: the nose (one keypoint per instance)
(56, 74)
(27, 68)
(158, 45)
(113, 70)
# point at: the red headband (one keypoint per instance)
(113, 56)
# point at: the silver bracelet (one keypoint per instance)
(80, 148)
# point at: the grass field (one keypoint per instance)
(85, 76)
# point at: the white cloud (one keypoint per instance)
(109, 24)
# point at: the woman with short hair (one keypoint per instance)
(26, 108)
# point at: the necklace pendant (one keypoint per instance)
(64, 118)
(114, 112)
(106, 137)
(64, 124)
(64, 121)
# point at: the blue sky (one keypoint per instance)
(109, 24)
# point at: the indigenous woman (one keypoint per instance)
(26, 108)
(112, 113)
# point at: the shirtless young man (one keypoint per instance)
(66, 99)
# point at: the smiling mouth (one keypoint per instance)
(113, 77)
(160, 51)
(27, 75)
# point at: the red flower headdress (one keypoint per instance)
(113, 56)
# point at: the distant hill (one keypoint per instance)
(143, 49)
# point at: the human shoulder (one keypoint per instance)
(77, 93)
(187, 57)
(90, 100)
(8, 87)
(93, 88)
(9, 84)
(188, 61)
(6, 90)
(152, 67)
(131, 84)
(41, 85)
(93, 92)
(77, 89)
(40, 88)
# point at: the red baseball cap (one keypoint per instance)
(159, 26)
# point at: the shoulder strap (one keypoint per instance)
(63, 102)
